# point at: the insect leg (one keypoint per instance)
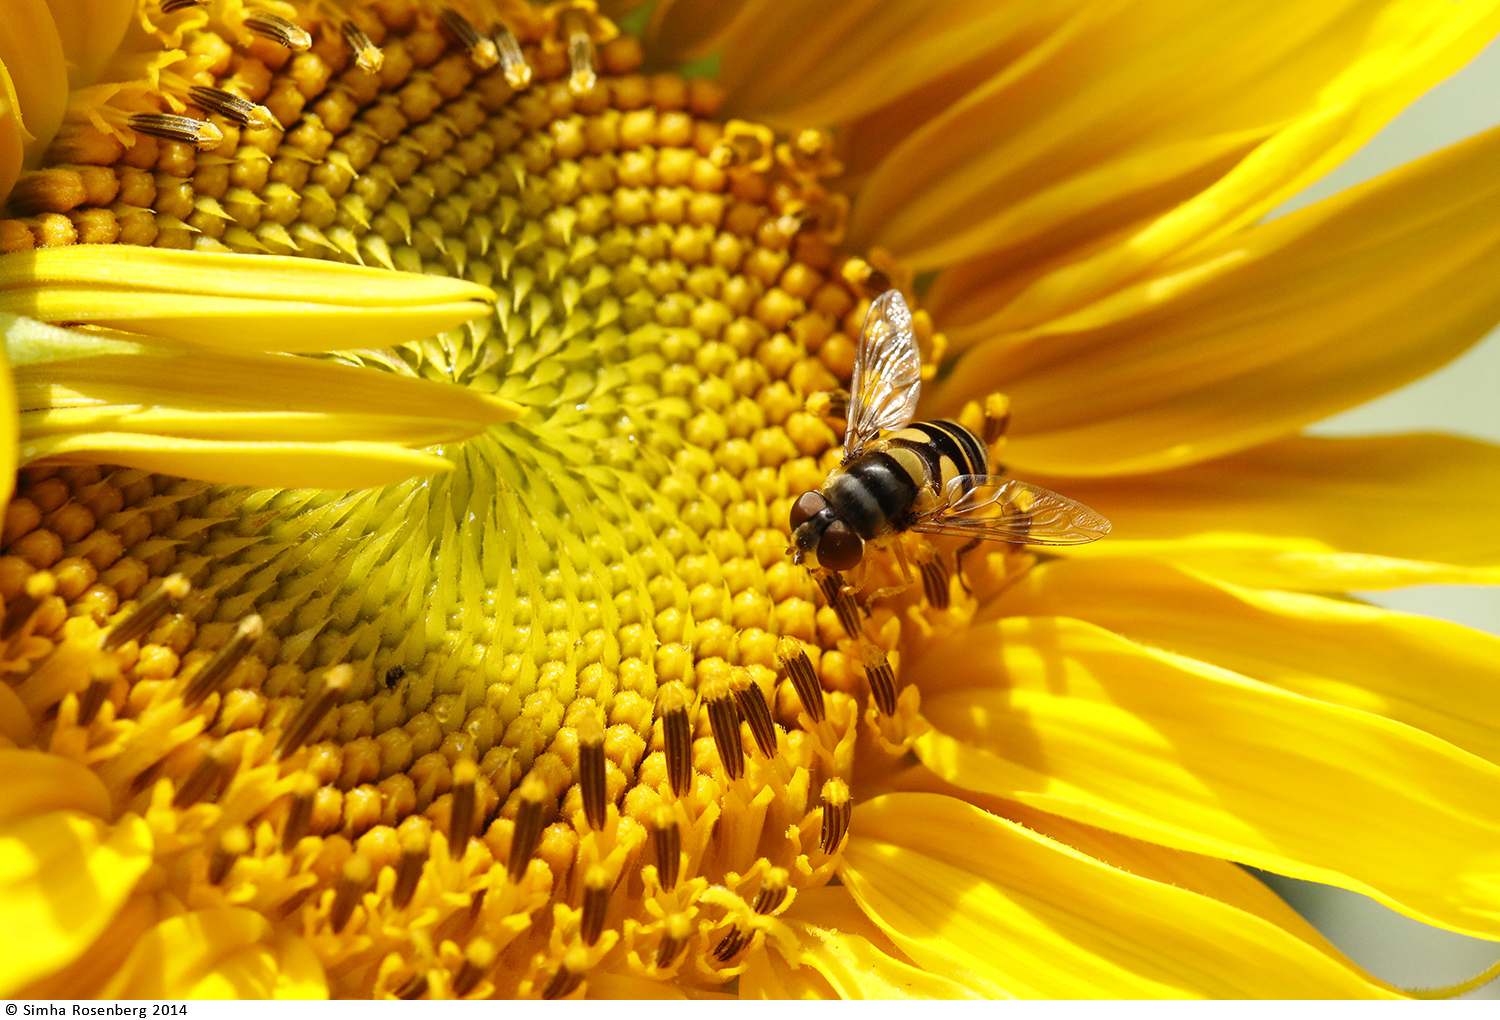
(958, 563)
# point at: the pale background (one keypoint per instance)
(1462, 398)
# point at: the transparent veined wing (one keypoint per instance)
(887, 374)
(1008, 510)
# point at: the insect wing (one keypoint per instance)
(887, 374)
(1007, 510)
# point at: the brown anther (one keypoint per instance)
(996, 417)
(793, 663)
(279, 30)
(414, 988)
(566, 979)
(478, 958)
(234, 843)
(198, 133)
(232, 107)
(38, 586)
(517, 71)
(731, 944)
(207, 779)
(143, 617)
(882, 678)
(482, 51)
(737, 150)
(841, 597)
(409, 868)
(596, 890)
(668, 840)
(678, 928)
(223, 661)
(528, 831)
(591, 772)
(346, 895)
(102, 677)
(672, 703)
(935, 581)
(724, 720)
(173, 6)
(461, 814)
(367, 56)
(838, 810)
(772, 892)
(313, 709)
(299, 814)
(752, 704)
(862, 276)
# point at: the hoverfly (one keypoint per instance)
(934, 477)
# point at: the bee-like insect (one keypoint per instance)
(933, 476)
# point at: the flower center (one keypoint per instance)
(580, 672)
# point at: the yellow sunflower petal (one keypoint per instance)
(1315, 514)
(1430, 674)
(768, 976)
(217, 954)
(1070, 718)
(1255, 335)
(1011, 912)
(63, 877)
(32, 782)
(90, 31)
(854, 956)
(32, 53)
(242, 302)
(9, 427)
(12, 134)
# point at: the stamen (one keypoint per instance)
(314, 707)
(199, 133)
(300, 813)
(236, 108)
(882, 678)
(409, 868)
(517, 71)
(793, 663)
(173, 6)
(232, 845)
(415, 987)
(103, 676)
(841, 597)
(144, 616)
(679, 927)
(568, 976)
(935, 581)
(677, 733)
(461, 814)
(38, 587)
(838, 810)
(346, 895)
(478, 959)
(207, 779)
(862, 276)
(279, 30)
(731, 944)
(581, 57)
(223, 662)
(724, 720)
(528, 831)
(668, 840)
(591, 773)
(367, 56)
(752, 703)
(482, 51)
(772, 891)
(596, 890)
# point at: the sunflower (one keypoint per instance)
(410, 398)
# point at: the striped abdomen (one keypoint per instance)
(897, 479)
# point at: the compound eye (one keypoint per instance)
(840, 548)
(808, 505)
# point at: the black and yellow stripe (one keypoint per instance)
(895, 480)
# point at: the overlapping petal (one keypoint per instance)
(1313, 514)
(1065, 716)
(1009, 912)
(1255, 335)
(227, 953)
(31, 57)
(1154, 126)
(1429, 674)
